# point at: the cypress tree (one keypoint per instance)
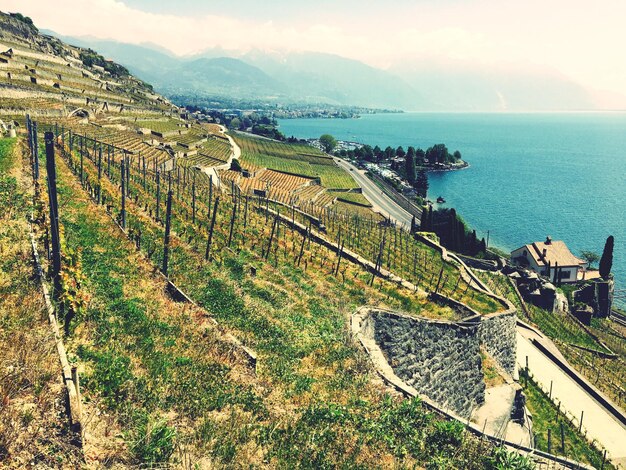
(451, 231)
(409, 166)
(421, 183)
(606, 261)
(413, 225)
(461, 247)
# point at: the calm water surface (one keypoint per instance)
(530, 175)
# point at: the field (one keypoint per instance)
(143, 354)
(294, 158)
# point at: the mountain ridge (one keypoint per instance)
(315, 77)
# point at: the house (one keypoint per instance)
(546, 257)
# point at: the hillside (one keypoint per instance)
(206, 315)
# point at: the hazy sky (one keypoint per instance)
(581, 39)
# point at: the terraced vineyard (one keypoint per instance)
(294, 158)
(349, 197)
(255, 363)
(145, 355)
(216, 148)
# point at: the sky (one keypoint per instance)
(579, 39)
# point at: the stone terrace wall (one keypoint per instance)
(439, 359)
(498, 335)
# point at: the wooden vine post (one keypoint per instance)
(210, 238)
(123, 212)
(54, 212)
(166, 239)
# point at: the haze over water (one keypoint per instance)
(530, 175)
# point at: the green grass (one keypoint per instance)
(319, 407)
(6, 147)
(562, 328)
(546, 417)
(356, 198)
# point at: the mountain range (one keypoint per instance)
(313, 77)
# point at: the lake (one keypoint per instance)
(530, 175)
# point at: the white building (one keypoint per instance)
(546, 257)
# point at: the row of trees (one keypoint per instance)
(438, 153)
(452, 232)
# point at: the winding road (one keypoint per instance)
(381, 202)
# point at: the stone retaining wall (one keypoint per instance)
(498, 335)
(441, 359)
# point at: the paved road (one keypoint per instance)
(599, 423)
(381, 202)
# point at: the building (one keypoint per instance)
(546, 257)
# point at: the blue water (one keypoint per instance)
(530, 175)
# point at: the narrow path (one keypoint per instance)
(599, 423)
(212, 170)
(381, 202)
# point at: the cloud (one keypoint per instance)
(579, 41)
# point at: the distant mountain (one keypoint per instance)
(463, 87)
(335, 79)
(220, 76)
(312, 77)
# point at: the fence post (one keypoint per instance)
(166, 240)
(35, 155)
(210, 238)
(82, 151)
(193, 202)
(100, 175)
(76, 381)
(580, 425)
(54, 212)
(158, 194)
(123, 213)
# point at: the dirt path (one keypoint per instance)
(212, 170)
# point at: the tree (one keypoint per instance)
(235, 123)
(409, 166)
(421, 183)
(456, 155)
(389, 153)
(328, 142)
(606, 262)
(419, 157)
(590, 257)
(400, 153)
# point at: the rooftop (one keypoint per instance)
(552, 252)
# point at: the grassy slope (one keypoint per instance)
(313, 404)
(546, 417)
(294, 158)
(32, 425)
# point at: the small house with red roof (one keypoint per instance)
(545, 258)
